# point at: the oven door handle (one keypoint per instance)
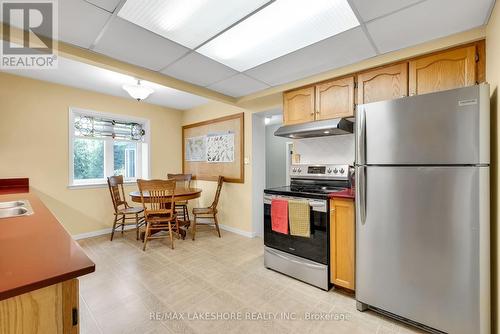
(316, 205)
(310, 265)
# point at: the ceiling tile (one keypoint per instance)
(427, 21)
(80, 75)
(238, 85)
(369, 9)
(280, 28)
(126, 41)
(80, 22)
(199, 70)
(189, 23)
(108, 5)
(346, 48)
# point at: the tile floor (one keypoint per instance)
(210, 277)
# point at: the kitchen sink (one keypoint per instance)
(13, 204)
(15, 209)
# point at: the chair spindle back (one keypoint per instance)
(161, 196)
(182, 180)
(115, 185)
(220, 181)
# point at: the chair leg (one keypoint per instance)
(187, 214)
(136, 226)
(123, 223)
(194, 227)
(146, 236)
(184, 212)
(171, 235)
(113, 228)
(217, 224)
(177, 228)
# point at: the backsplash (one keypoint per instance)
(326, 150)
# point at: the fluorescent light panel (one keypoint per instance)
(280, 28)
(190, 22)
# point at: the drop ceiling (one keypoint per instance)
(80, 75)
(239, 47)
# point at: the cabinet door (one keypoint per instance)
(70, 306)
(34, 312)
(335, 99)
(381, 84)
(442, 71)
(342, 243)
(298, 106)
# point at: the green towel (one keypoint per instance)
(299, 217)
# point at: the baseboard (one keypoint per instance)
(238, 231)
(98, 233)
(108, 231)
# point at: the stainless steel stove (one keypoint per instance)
(318, 181)
(305, 258)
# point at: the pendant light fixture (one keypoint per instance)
(138, 91)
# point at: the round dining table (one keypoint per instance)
(180, 194)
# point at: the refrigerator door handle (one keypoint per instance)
(361, 193)
(361, 136)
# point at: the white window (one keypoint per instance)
(101, 145)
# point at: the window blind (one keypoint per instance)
(98, 127)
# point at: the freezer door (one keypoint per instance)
(422, 247)
(450, 127)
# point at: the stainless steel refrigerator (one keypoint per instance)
(423, 209)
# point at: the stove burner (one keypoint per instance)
(316, 189)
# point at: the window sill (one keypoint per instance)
(98, 185)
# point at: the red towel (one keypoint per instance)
(279, 215)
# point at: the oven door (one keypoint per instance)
(315, 247)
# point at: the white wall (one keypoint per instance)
(259, 173)
(275, 158)
(326, 150)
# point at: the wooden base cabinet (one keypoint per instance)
(53, 309)
(342, 243)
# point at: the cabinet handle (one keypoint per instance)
(74, 316)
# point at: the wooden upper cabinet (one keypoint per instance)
(454, 68)
(335, 99)
(386, 83)
(298, 106)
(445, 70)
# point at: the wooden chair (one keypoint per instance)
(184, 181)
(159, 210)
(123, 212)
(210, 212)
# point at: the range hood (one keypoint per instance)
(329, 127)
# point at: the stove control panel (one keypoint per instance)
(320, 171)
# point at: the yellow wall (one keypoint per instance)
(34, 144)
(493, 77)
(235, 202)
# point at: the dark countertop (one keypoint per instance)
(36, 251)
(347, 193)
